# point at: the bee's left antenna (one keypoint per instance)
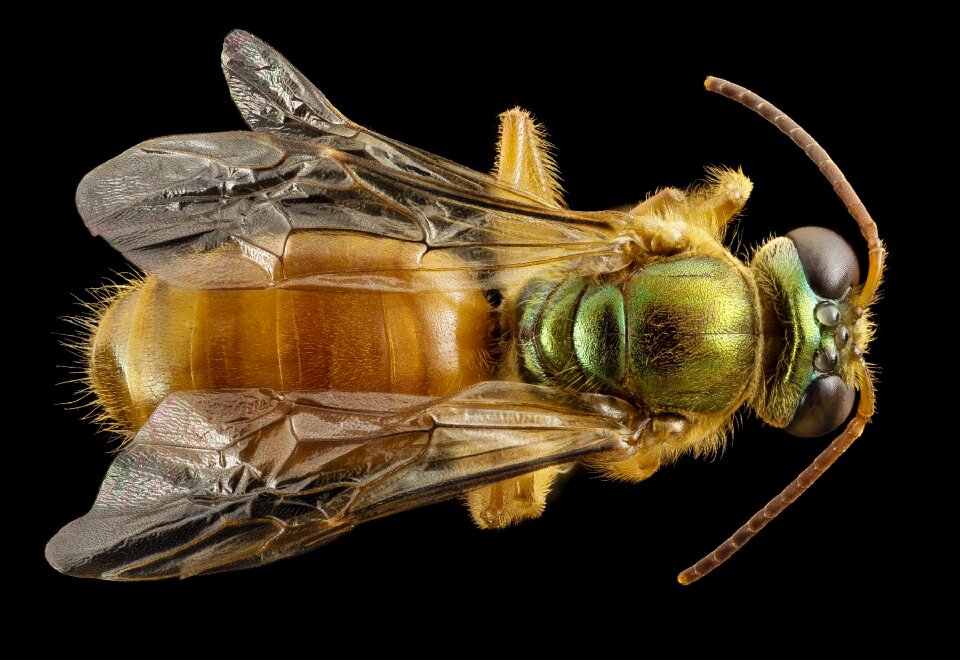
(866, 406)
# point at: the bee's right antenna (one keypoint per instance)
(865, 408)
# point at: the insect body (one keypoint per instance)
(335, 327)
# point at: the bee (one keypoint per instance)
(335, 327)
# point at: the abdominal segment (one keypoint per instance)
(156, 339)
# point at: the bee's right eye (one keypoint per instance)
(828, 260)
(826, 403)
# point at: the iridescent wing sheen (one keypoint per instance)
(274, 97)
(221, 480)
(219, 210)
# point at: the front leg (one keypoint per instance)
(665, 437)
(670, 221)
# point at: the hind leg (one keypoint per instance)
(523, 162)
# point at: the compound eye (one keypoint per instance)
(828, 260)
(825, 405)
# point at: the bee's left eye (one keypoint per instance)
(826, 403)
(828, 260)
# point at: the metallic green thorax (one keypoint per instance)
(676, 335)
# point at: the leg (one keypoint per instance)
(664, 439)
(713, 205)
(662, 431)
(523, 158)
(512, 501)
(664, 220)
(523, 162)
(656, 203)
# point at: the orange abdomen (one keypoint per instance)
(156, 339)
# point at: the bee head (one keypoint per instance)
(809, 289)
(810, 282)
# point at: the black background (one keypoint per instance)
(624, 105)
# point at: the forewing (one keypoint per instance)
(220, 210)
(221, 480)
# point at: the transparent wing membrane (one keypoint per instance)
(219, 480)
(218, 210)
